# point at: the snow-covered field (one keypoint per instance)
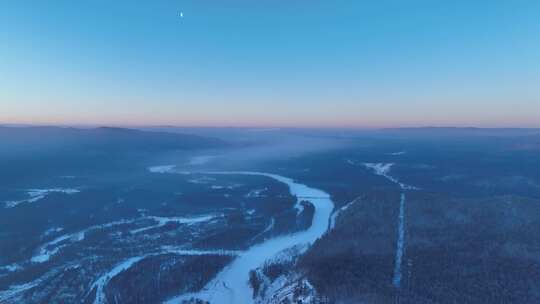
(231, 284)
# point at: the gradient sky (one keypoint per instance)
(271, 63)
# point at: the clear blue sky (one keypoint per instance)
(271, 63)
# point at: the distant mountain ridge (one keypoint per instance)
(467, 130)
(111, 137)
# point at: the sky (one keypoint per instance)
(271, 63)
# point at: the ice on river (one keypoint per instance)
(231, 284)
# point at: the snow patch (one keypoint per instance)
(400, 243)
(38, 194)
(202, 180)
(380, 168)
(350, 162)
(256, 193)
(15, 293)
(288, 255)
(290, 288)
(11, 268)
(104, 279)
(383, 169)
(267, 229)
(162, 169)
(49, 249)
(52, 230)
(200, 160)
(162, 221)
(337, 212)
(11, 295)
(183, 251)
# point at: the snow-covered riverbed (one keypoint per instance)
(231, 284)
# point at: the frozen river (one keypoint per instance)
(230, 286)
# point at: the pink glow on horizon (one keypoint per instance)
(268, 123)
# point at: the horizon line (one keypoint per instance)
(259, 127)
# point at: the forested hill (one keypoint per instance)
(28, 138)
